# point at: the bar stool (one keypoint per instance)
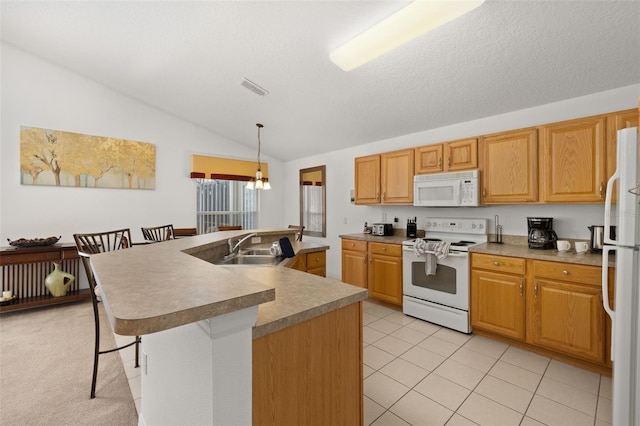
(159, 233)
(87, 245)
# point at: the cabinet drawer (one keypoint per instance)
(512, 265)
(581, 274)
(18, 258)
(354, 245)
(316, 259)
(386, 249)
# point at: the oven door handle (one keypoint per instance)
(450, 254)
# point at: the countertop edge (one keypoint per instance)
(282, 323)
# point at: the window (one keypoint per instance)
(226, 203)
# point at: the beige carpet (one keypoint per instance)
(46, 360)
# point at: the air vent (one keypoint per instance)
(254, 87)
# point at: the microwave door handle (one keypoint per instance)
(459, 189)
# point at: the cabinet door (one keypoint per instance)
(461, 155)
(429, 159)
(497, 303)
(354, 268)
(572, 161)
(615, 122)
(509, 167)
(385, 278)
(568, 318)
(367, 180)
(397, 177)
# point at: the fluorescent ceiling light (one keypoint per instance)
(406, 24)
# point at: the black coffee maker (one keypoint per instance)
(541, 233)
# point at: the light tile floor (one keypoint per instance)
(418, 373)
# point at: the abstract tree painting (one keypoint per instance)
(53, 157)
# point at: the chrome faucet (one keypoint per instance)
(235, 247)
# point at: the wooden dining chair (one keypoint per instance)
(87, 245)
(159, 233)
(299, 230)
(184, 232)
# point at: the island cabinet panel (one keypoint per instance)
(311, 373)
(316, 263)
(572, 159)
(367, 180)
(509, 167)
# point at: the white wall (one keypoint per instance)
(570, 221)
(40, 94)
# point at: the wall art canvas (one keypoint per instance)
(54, 157)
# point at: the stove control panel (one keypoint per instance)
(457, 225)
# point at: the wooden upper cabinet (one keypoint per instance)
(615, 122)
(509, 167)
(429, 159)
(367, 180)
(572, 160)
(461, 155)
(447, 157)
(397, 177)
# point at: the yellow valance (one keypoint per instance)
(205, 167)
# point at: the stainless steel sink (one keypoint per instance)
(254, 252)
(249, 260)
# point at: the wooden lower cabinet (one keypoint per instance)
(313, 263)
(385, 272)
(497, 295)
(354, 262)
(311, 373)
(374, 266)
(554, 306)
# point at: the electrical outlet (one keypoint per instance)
(256, 240)
(144, 363)
(345, 221)
(384, 217)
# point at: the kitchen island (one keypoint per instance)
(236, 344)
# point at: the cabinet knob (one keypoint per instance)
(565, 272)
(353, 245)
(495, 262)
(317, 259)
(484, 192)
(384, 249)
(601, 189)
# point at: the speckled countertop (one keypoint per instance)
(514, 250)
(156, 287)
(518, 250)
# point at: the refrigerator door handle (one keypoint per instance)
(605, 291)
(607, 209)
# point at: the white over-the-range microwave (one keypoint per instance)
(457, 189)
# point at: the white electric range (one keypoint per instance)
(442, 298)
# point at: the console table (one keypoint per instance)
(25, 269)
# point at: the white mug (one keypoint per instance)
(581, 246)
(563, 245)
(7, 294)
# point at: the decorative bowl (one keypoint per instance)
(35, 242)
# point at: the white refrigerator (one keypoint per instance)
(625, 340)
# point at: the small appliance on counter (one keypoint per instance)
(596, 241)
(541, 233)
(382, 229)
(412, 227)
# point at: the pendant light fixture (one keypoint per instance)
(260, 182)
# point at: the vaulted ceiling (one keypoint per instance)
(189, 58)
